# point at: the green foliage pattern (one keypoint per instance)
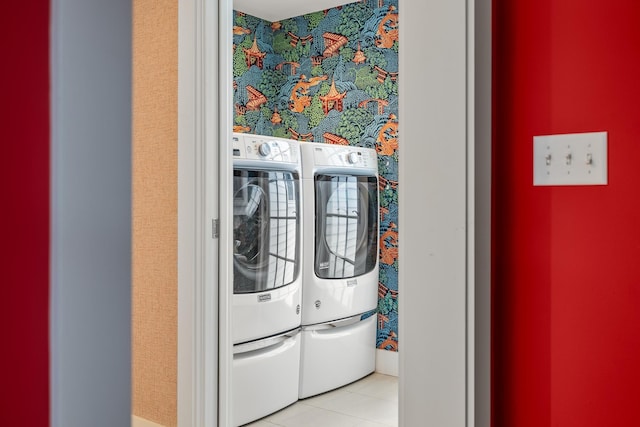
(272, 81)
(354, 16)
(347, 53)
(266, 112)
(313, 19)
(352, 124)
(365, 78)
(375, 57)
(252, 118)
(288, 120)
(388, 197)
(240, 120)
(314, 112)
(382, 91)
(280, 42)
(387, 304)
(239, 61)
(317, 71)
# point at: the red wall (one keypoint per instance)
(566, 260)
(24, 213)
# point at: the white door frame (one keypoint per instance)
(444, 315)
(204, 227)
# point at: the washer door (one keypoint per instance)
(346, 243)
(265, 229)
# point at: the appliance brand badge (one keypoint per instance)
(324, 265)
(351, 283)
(264, 297)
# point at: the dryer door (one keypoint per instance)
(346, 243)
(265, 229)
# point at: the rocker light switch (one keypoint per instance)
(570, 159)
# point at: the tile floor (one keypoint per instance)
(370, 402)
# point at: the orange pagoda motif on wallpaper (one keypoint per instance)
(333, 99)
(253, 55)
(359, 57)
(276, 118)
(381, 103)
(333, 43)
(293, 67)
(256, 99)
(294, 39)
(331, 138)
(304, 137)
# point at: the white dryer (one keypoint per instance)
(266, 309)
(340, 186)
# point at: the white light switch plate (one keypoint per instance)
(570, 159)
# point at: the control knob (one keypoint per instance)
(264, 149)
(352, 158)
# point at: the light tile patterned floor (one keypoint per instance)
(370, 402)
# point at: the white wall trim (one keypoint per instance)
(204, 178)
(188, 368)
(141, 422)
(387, 362)
(197, 202)
(222, 143)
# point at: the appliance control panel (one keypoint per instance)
(256, 147)
(352, 157)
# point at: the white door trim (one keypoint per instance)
(224, 97)
(191, 281)
(203, 177)
(439, 381)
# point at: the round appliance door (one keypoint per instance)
(346, 241)
(265, 229)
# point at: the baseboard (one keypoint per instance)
(387, 362)
(141, 422)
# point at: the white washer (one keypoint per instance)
(266, 311)
(340, 186)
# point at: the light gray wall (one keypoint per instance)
(91, 213)
(433, 197)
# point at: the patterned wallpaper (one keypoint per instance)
(331, 77)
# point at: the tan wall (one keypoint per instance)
(155, 137)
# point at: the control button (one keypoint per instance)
(264, 149)
(353, 158)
